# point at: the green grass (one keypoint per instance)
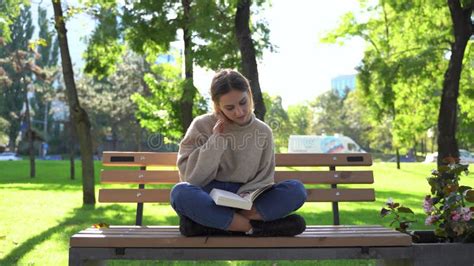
(37, 216)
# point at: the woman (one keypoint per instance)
(233, 150)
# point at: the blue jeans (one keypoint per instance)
(195, 203)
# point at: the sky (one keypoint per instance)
(300, 69)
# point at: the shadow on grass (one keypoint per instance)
(80, 219)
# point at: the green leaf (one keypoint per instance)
(384, 212)
(469, 195)
(405, 210)
(461, 189)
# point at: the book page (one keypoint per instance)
(254, 194)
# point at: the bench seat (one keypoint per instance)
(169, 236)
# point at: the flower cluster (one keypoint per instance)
(446, 207)
(464, 214)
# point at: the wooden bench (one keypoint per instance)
(317, 242)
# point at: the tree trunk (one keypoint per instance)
(247, 52)
(12, 135)
(29, 134)
(189, 91)
(79, 115)
(29, 131)
(447, 121)
(398, 159)
(414, 150)
(138, 136)
(423, 146)
(72, 142)
(114, 137)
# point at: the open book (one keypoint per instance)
(229, 199)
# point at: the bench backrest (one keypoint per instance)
(142, 176)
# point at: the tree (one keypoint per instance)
(248, 54)
(22, 67)
(13, 59)
(81, 119)
(159, 110)
(447, 122)
(402, 66)
(3, 133)
(277, 118)
(372, 135)
(300, 117)
(9, 11)
(47, 60)
(108, 101)
(208, 36)
(329, 117)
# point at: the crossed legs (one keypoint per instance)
(195, 203)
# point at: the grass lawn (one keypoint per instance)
(37, 216)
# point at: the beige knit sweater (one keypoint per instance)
(241, 154)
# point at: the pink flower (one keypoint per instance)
(428, 205)
(431, 219)
(466, 214)
(455, 216)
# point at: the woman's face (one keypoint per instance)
(235, 106)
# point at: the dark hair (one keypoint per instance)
(226, 80)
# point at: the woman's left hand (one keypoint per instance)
(244, 194)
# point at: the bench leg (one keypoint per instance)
(75, 261)
(77, 258)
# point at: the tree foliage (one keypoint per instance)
(277, 118)
(47, 55)
(300, 117)
(15, 58)
(402, 71)
(158, 110)
(109, 104)
(9, 11)
(150, 27)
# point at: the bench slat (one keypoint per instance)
(281, 159)
(139, 177)
(162, 195)
(170, 237)
(323, 159)
(116, 158)
(171, 177)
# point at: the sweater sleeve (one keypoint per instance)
(266, 169)
(199, 156)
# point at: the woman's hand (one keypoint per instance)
(244, 194)
(218, 127)
(220, 124)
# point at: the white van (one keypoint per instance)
(323, 144)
